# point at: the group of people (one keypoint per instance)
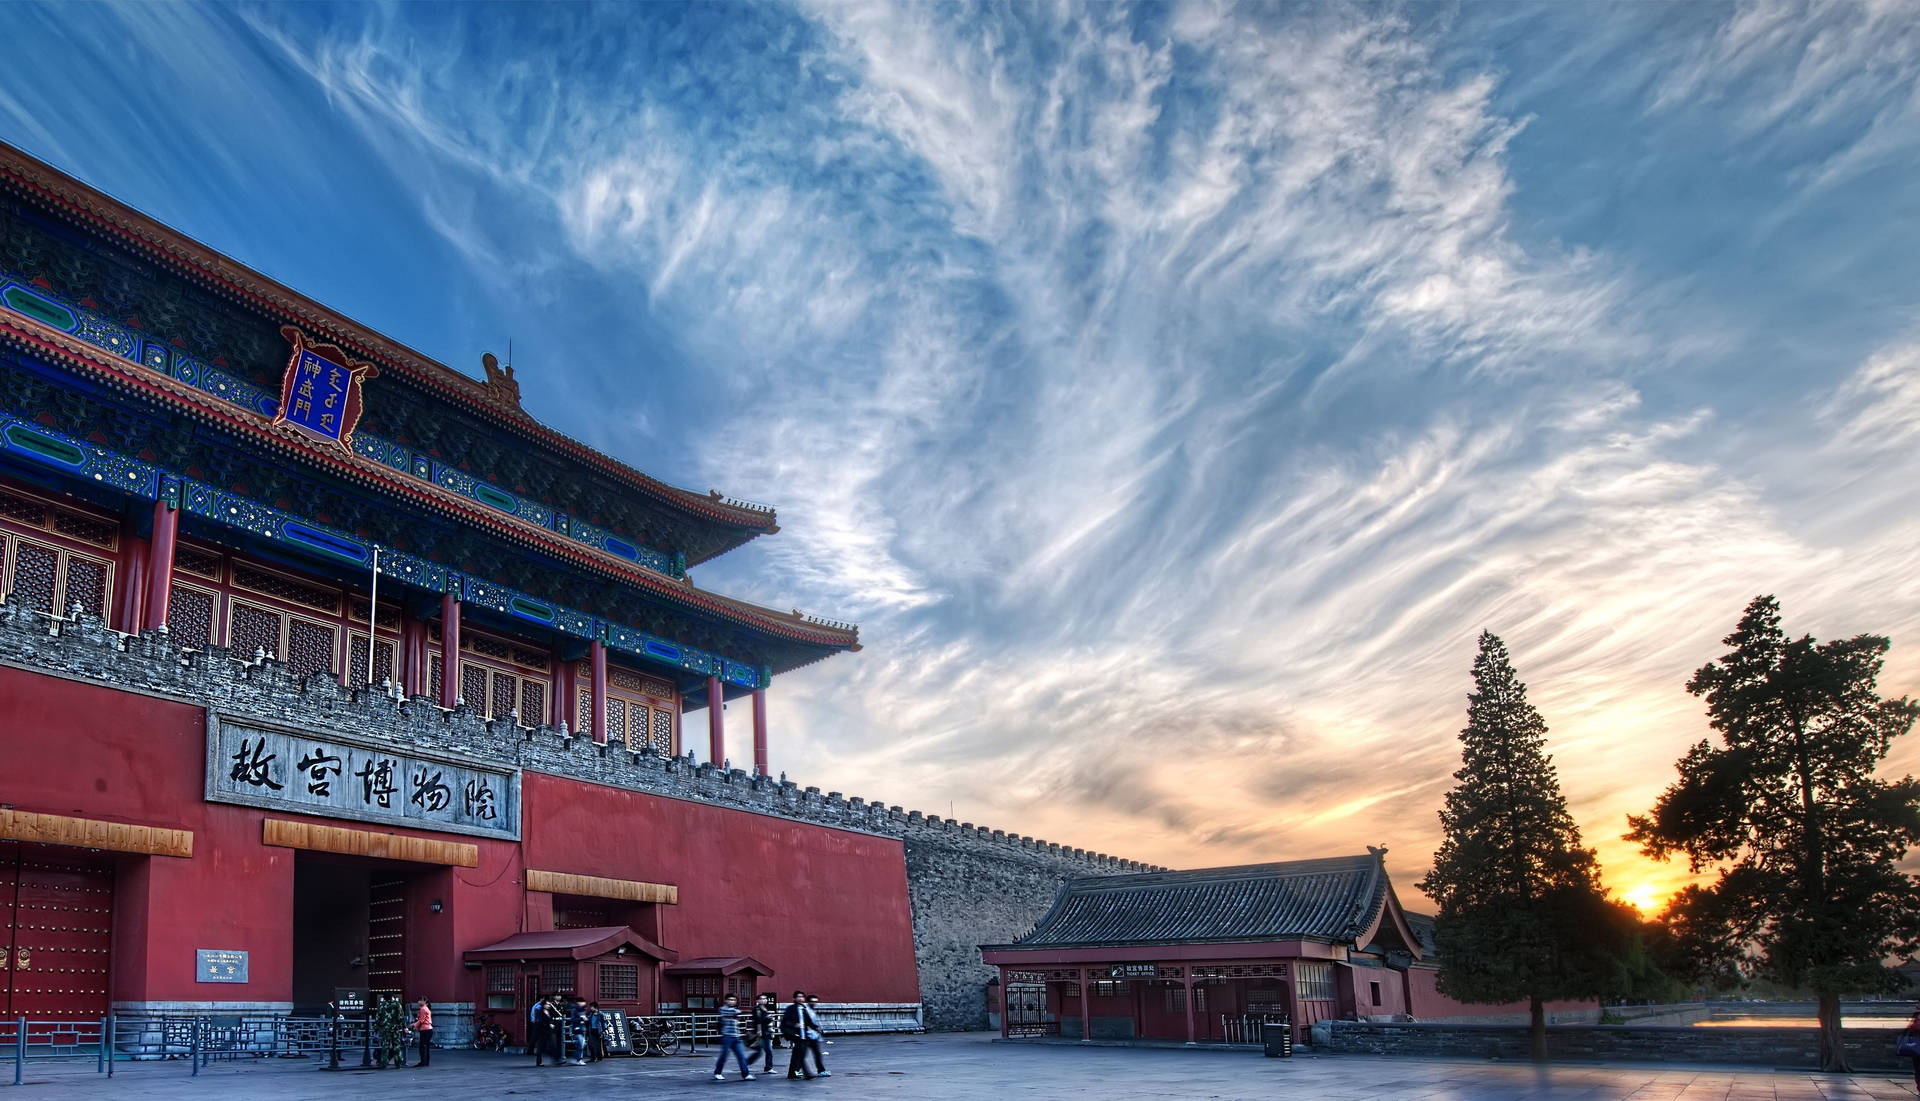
(389, 1025)
(798, 1024)
(573, 1033)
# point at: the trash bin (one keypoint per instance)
(1276, 1038)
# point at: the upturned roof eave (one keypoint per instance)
(43, 339)
(198, 262)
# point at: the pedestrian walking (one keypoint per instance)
(792, 1027)
(730, 1040)
(764, 1030)
(596, 1033)
(537, 1031)
(423, 1032)
(816, 1037)
(554, 1036)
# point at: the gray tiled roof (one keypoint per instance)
(1333, 899)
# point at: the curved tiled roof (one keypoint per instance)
(1335, 899)
(188, 258)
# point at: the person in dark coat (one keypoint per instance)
(793, 1028)
(763, 1029)
(537, 1031)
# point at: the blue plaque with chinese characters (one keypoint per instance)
(320, 392)
(219, 965)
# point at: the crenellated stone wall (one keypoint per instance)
(969, 884)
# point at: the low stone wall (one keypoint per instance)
(1867, 1048)
(842, 1017)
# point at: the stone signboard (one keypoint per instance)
(278, 769)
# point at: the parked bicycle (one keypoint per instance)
(653, 1036)
(488, 1036)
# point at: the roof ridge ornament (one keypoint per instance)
(500, 386)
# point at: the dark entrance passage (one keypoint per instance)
(349, 927)
(56, 927)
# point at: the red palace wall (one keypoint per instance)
(1429, 1004)
(827, 909)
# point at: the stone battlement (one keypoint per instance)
(82, 647)
(969, 884)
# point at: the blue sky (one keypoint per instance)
(1171, 392)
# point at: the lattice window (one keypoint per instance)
(24, 509)
(504, 696)
(703, 991)
(533, 702)
(616, 720)
(473, 686)
(36, 577)
(193, 560)
(86, 585)
(1313, 981)
(534, 659)
(87, 529)
(500, 978)
(190, 617)
(389, 613)
(556, 978)
(250, 629)
(285, 588)
(663, 732)
(487, 647)
(357, 660)
(309, 648)
(433, 676)
(636, 682)
(583, 710)
(619, 982)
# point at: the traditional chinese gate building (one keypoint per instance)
(403, 649)
(1205, 956)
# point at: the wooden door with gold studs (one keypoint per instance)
(57, 905)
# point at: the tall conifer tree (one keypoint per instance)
(1806, 839)
(1521, 912)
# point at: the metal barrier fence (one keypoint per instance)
(1244, 1028)
(202, 1039)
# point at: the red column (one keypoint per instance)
(760, 731)
(450, 651)
(1004, 1000)
(1086, 1013)
(166, 525)
(599, 716)
(1191, 1037)
(563, 695)
(133, 584)
(716, 720)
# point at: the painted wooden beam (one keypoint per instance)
(92, 833)
(314, 837)
(593, 886)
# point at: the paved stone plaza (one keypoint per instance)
(964, 1067)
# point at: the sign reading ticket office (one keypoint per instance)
(277, 769)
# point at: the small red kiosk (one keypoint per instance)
(612, 965)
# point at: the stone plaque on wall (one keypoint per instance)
(219, 965)
(257, 765)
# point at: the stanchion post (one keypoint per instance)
(333, 1044)
(100, 1067)
(193, 1047)
(113, 1041)
(366, 1038)
(19, 1049)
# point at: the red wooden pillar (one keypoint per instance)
(166, 526)
(716, 720)
(133, 584)
(1191, 1036)
(599, 716)
(450, 652)
(1004, 1000)
(565, 691)
(760, 731)
(1086, 1011)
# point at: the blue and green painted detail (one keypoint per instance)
(57, 450)
(31, 300)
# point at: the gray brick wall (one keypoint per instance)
(970, 885)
